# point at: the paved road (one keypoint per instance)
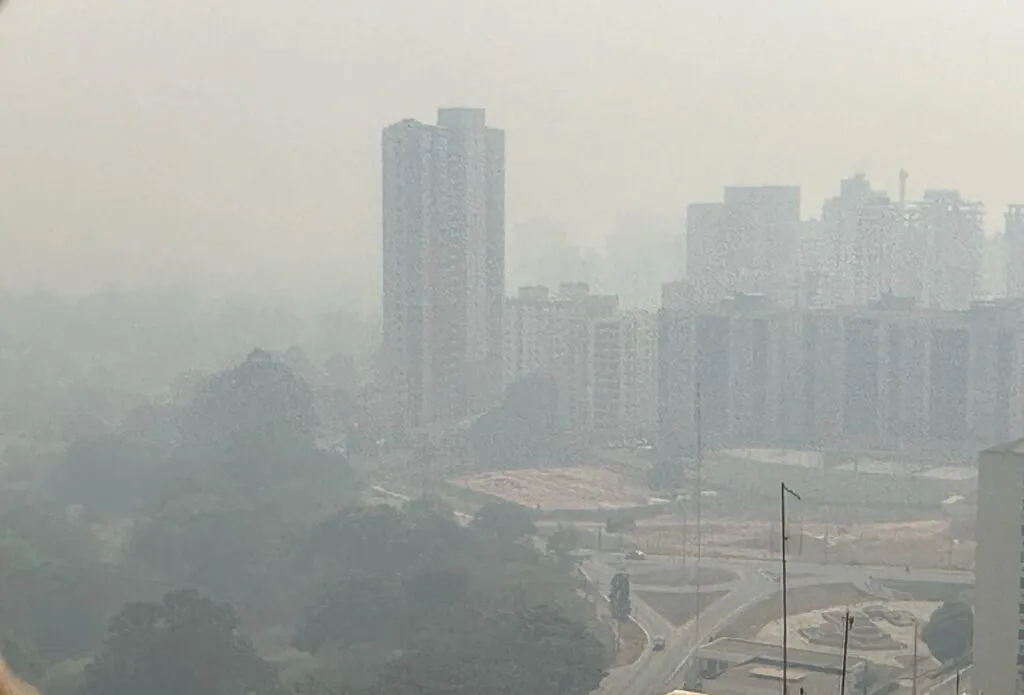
(657, 672)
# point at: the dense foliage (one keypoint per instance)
(184, 644)
(950, 631)
(221, 501)
(465, 609)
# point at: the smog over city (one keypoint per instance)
(535, 348)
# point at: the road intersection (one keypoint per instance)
(751, 581)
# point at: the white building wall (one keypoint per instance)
(999, 572)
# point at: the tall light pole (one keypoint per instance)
(847, 624)
(700, 495)
(783, 493)
(914, 681)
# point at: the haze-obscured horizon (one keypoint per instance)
(236, 146)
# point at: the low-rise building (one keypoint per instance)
(730, 666)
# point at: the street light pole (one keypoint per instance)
(700, 495)
(783, 492)
(847, 624)
(914, 681)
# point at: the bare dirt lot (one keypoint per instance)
(925, 543)
(559, 488)
(678, 608)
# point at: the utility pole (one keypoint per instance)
(847, 624)
(958, 682)
(700, 496)
(914, 681)
(783, 491)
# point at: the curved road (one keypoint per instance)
(658, 672)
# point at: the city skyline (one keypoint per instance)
(274, 149)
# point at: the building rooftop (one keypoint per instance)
(755, 680)
(738, 651)
(1014, 447)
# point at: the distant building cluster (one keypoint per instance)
(869, 328)
(864, 247)
(888, 376)
(602, 358)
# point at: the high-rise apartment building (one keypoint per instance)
(998, 653)
(603, 360)
(1013, 241)
(943, 256)
(862, 227)
(748, 243)
(884, 376)
(443, 266)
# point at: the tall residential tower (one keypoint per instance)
(999, 572)
(443, 266)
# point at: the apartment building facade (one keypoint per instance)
(443, 266)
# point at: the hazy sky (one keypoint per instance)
(230, 140)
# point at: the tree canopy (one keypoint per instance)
(950, 630)
(505, 519)
(464, 608)
(183, 644)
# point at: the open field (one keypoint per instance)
(559, 488)
(925, 543)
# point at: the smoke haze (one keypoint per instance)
(237, 145)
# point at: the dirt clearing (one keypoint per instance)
(559, 488)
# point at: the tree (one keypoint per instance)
(444, 597)
(536, 650)
(618, 597)
(261, 399)
(563, 541)
(184, 644)
(58, 611)
(504, 519)
(238, 553)
(620, 523)
(107, 473)
(950, 630)
(354, 611)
